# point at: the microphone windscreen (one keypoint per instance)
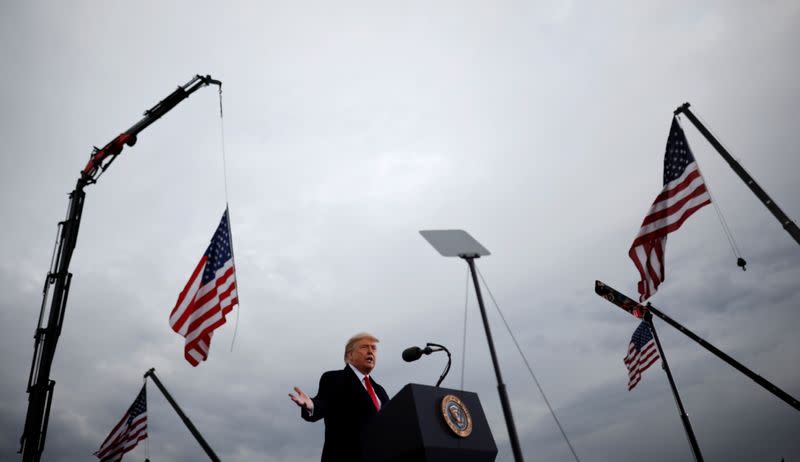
(412, 354)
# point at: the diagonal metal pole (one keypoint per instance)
(762, 195)
(210, 452)
(634, 308)
(687, 426)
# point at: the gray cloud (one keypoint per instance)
(539, 128)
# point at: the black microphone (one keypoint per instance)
(414, 353)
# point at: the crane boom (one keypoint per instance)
(40, 386)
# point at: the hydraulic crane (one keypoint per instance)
(40, 386)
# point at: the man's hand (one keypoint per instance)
(302, 400)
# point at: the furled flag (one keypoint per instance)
(128, 432)
(642, 353)
(208, 297)
(684, 193)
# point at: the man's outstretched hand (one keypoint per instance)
(302, 400)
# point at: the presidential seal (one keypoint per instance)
(456, 416)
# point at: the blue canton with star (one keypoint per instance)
(219, 250)
(641, 336)
(138, 407)
(678, 154)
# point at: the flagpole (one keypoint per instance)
(648, 317)
(785, 221)
(629, 305)
(210, 452)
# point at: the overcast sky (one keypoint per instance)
(538, 127)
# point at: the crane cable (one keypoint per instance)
(740, 261)
(146, 440)
(227, 207)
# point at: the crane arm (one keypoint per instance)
(100, 159)
(40, 386)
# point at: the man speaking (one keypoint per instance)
(346, 399)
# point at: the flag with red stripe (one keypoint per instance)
(131, 429)
(208, 297)
(642, 353)
(683, 194)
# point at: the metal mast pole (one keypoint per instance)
(501, 388)
(687, 426)
(210, 452)
(785, 221)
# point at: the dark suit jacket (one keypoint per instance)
(347, 408)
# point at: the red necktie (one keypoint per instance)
(371, 392)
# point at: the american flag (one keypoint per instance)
(642, 353)
(684, 193)
(128, 432)
(209, 295)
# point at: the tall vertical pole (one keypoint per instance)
(210, 452)
(501, 388)
(684, 418)
(40, 386)
(785, 221)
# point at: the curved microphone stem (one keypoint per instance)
(438, 347)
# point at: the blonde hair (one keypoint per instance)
(351, 344)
